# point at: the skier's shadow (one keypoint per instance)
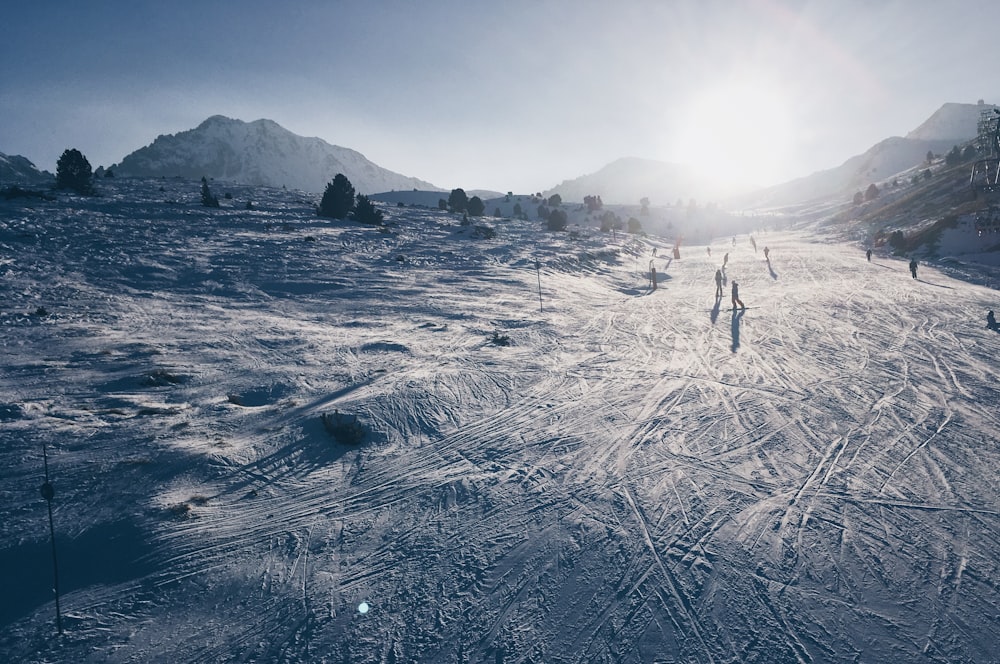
(715, 310)
(774, 275)
(737, 315)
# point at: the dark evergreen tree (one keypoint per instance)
(858, 198)
(557, 220)
(634, 225)
(458, 201)
(366, 212)
(953, 157)
(518, 212)
(476, 207)
(207, 199)
(555, 200)
(442, 204)
(338, 199)
(73, 172)
(871, 193)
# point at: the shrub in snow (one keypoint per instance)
(73, 172)
(458, 200)
(365, 211)
(500, 339)
(207, 199)
(557, 220)
(338, 199)
(344, 429)
(476, 207)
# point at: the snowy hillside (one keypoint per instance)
(261, 153)
(18, 170)
(613, 474)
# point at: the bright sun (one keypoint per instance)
(740, 130)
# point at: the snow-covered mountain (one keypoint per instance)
(18, 170)
(627, 180)
(630, 179)
(951, 122)
(263, 153)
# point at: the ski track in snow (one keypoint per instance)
(637, 478)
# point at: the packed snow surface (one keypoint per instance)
(639, 476)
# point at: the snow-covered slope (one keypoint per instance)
(639, 476)
(260, 152)
(18, 170)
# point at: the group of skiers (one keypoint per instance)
(735, 290)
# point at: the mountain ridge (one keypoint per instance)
(260, 152)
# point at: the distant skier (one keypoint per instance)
(913, 267)
(709, 250)
(991, 322)
(767, 253)
(754, 243)
(725, 260)
(868, 254)
(734, 240)
(718, 285)
(736, 297)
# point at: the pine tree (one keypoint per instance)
(365, 211)
(458, 200)
(338, 199)
(73, 172)
(207, 199)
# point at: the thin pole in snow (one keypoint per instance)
(48, 493)
(538, 271)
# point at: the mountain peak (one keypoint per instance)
(260, 152)
(952, 122)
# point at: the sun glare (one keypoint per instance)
(740, 130)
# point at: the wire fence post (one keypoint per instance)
(48, 493)
(538, 272)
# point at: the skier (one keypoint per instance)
(709, 250)
(736, 297)
(991, 322)
(868, 254)
(725, 259)
(767, 256)
(718, 285)
(754, 243)
(913, 267)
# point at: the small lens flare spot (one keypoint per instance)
(363, 608)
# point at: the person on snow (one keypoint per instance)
(754, 243)
(767, 256)
(718, 284)
(736, 297)
(913, 267)
(725, 259)
(868, 255)
(991, 322)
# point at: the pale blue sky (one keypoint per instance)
(512, 95)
